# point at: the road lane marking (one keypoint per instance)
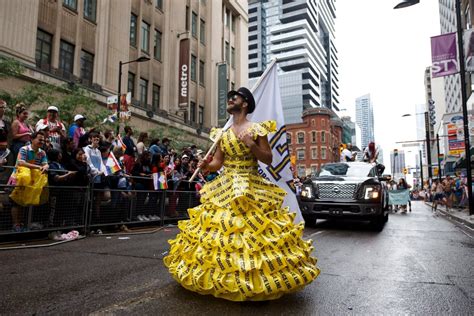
(316, 233)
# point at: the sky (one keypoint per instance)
(384, 52)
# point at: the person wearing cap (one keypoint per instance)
(57, 130)
(244, 213)
(76, 131)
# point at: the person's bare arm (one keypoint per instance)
(215, 164)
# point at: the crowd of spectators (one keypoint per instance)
(79, 156)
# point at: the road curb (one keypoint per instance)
(453, 217)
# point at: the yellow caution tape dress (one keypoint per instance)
(240, 244)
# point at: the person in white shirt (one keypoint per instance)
(347, 154)
(371, 153)
(57, 130)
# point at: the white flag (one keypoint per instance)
(268, 107)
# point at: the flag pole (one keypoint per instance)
(229, 122)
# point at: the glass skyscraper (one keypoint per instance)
(365, 119)
(300, 34)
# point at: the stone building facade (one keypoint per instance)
(83, 41)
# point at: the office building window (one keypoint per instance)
(300, 138)
(232, 25)
(323, 136)
(201, 115)
(71, 4)
(313, 137)
(131, 84)
(314, 153)
(157, 47)
(232, 57)
(87, 67)
(192, 112)
(194, 25)
(43, 49)
(227, 52)
(133, 30)
(66, 57)
(90, 10)
(143, 92)
(201, 72)
(156, 97)
(159, 4)
(145, 37)
(314, 169)
(187, 19)
(300, 154)
(227, 18)
(202, 32)
(193, 68)
(323, 153)
(288, 138)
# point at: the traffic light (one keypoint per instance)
(405, 170)
(341, 148)
(432, 112)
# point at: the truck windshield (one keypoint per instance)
(344, 169)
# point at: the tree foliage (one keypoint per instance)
(70, 98)
(10, 67)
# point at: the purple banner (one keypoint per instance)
(444, 55)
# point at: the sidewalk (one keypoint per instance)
(460, 216)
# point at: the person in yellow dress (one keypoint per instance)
(240, 244)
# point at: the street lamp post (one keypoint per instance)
(462, 74)
(428, 142)
(119, 90)
(439, 163)
(421, 169)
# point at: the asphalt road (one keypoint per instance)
(419, 264)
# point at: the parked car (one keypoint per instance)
(354, 190)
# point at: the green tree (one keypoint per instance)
(10, 67)
(71, 99)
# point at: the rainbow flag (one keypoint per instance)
(112, 165)
(120, 143)
(160, 181)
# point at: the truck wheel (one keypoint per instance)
(310, 221)
(379, 222)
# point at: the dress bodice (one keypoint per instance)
(237, 156)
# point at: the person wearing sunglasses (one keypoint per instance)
(240, 244)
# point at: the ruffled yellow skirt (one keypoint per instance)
(239, 244)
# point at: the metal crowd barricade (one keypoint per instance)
(113, 206)
(64, 209)
(93, 206)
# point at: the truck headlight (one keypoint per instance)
(307, 191)
(371, 192)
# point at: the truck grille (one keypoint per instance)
(336, 191)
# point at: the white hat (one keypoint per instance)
(79, 117)
(184, 156)
(41, 126)
(53, 108)
(199, 151)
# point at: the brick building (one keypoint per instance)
(315, 141)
